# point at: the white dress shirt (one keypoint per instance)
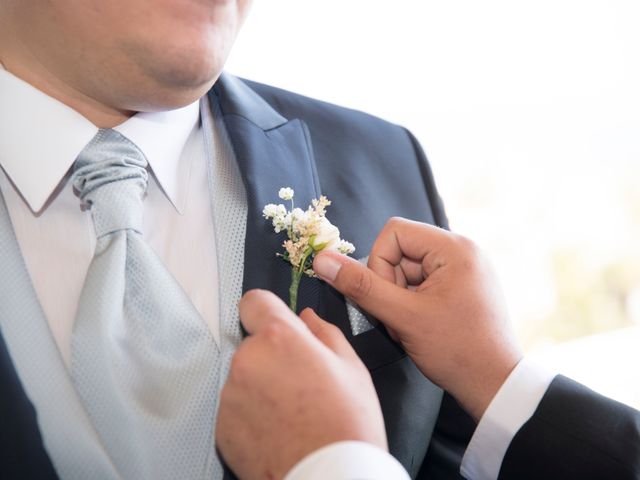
(40, 139)
(514, 404)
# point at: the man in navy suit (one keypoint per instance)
(152, 70)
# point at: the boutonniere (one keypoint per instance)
(308, 232)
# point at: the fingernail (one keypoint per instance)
(327, 267)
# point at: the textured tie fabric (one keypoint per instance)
(143, 360)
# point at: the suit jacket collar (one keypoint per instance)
(236, 98)
(272, 152)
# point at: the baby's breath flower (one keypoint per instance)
(272, 210)
(281, 222)
(286, 193)
(298, 214)
(345, 247)
(301, 224)
(308, 232)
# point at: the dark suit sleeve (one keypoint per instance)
(576, 433)
(435, 202)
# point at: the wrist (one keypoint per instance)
(476, 395)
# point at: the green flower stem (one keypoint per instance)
(296, 276)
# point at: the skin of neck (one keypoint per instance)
(28, 69)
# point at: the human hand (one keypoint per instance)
(293, 387)
(438, 296)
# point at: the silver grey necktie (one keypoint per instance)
(143, 361)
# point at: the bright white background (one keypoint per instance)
(530, 115)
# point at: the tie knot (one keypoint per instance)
(110, 178)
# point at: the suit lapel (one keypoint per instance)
(272, 152)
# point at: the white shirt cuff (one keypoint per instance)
(348, 460)
(514, 404)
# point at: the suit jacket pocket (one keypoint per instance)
(376, 348)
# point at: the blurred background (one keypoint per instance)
(530, 115)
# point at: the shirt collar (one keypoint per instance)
(162, 136)
(42, 135)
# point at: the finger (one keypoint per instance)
(260, 308)
(407, 272)
(242, 365)
(385, 300)
(411, 271)
(328, 334)
(400, 279)
(401, 238)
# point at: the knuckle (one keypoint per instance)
(471, 254)
(466, 244)
(254, 295)
(331, 330)
(239, 368)
(274, 332)
(264, 298)
(390, 225)
(225, 396)
(395, 221)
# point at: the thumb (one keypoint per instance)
(327, 333)
(386, 301)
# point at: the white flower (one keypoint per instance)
(272, 211)
(328, 236)
(299, 220)
(345, 247)
(299, 215)
(286, 193)
(282, 222)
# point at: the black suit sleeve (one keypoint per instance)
(575, 433)
(435, 202)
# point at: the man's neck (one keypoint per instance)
(36, 75)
